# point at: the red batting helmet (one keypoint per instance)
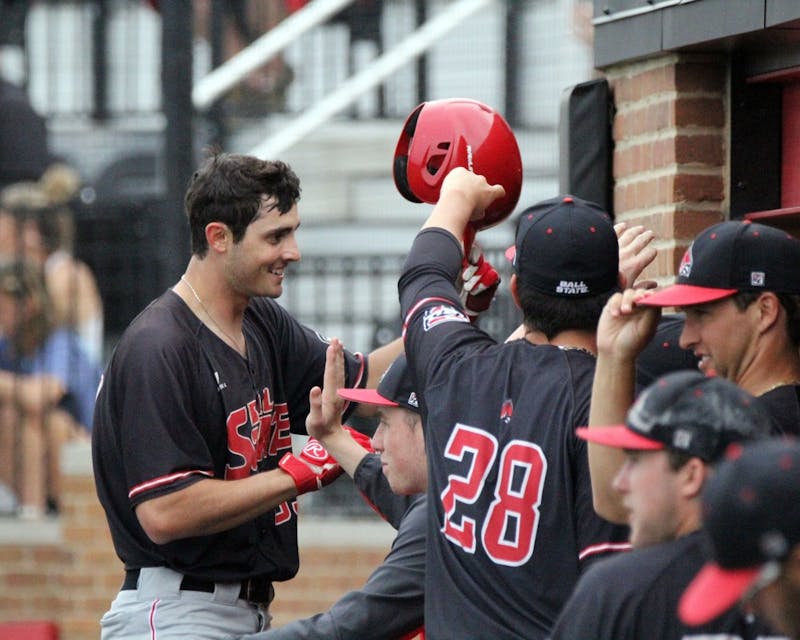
(443, 134)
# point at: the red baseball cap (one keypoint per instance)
(729, 257)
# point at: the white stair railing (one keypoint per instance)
(235, 69)
(368, 78)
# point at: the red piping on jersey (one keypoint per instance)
(163, 480)
(417, 307)
(359, 377)
(152, 620)
(603, 548)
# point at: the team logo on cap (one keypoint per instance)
(440, 314)
(757, 278)
(685, 268)
(572, 287)
(412, 400)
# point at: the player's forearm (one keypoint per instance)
(340, 445)
(612, 395)
(451, 213)
(210, 506)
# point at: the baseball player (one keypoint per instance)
(739, 288)
(753, 524)
(192, 427)
(390, 604)
(676, 431)
(510, 523)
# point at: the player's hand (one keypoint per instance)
(474, 188)
(313, 469)
(625, 329)
(635, 254)
(480, 282)
(325, 406)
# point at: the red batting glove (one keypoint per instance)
(313, 469)
(364, 440)
(481, 281)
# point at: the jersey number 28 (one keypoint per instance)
(508, 532)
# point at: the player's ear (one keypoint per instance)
(512, 285)
(217, 234)
(769, 309)
(693, 474)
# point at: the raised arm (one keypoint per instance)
(623, 331)
(324, 421)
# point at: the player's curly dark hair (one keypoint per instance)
(229, 188)
(554, 314)
(789, 301)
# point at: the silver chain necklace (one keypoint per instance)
(210, 317)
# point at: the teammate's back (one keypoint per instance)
(511, 519)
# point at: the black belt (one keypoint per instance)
(256, 590)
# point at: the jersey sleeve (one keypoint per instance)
(375, 490)
(389, 605)
(435, 324)
(151, 384)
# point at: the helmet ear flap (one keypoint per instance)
(401, 179)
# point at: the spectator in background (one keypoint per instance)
(46, 232)
(47, 389)
(244, 21)
(24, 153)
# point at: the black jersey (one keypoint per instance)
(783, 404)
(635, 595)
(511, 523)
(177, 404)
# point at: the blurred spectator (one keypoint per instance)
(24, 152)
(13, 15)
(46, 235)
(47, 389)
(244, 21)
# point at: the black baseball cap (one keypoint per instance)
(566, 246)
(729, 257)
(752, 520)
(395, 389)
(689, 412)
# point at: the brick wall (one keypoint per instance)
(671, 152)
(65, 569)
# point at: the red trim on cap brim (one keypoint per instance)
(511, 252)
(366, 396)
(619, 436)
(682, 295)
(713, 591)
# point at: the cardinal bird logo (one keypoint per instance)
(507, 411)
